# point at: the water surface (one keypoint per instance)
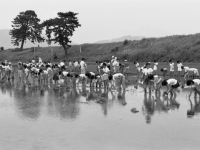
(49, 119)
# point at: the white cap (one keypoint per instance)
(113, 56)
(125, 60)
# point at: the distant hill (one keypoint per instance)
(185, 48)
(131, 38)
(5, 41)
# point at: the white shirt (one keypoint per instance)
(179, 66)
(65, 73)
(62, 64)
(171, 66)
(115, 63)
(83, 64)
(105, 70)
(192, 69)
(117, 75)
(147, 71)
(155, 66)
(26, 71)
(45, 71)
(112, 61)
(172, 81)
(196, 82)
(186, 69)
(76, 64)
(92, 73)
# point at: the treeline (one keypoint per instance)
(27, 26)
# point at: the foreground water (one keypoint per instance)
(63, 119)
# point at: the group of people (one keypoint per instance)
(109, 75)
(150, 78)
(36, 73)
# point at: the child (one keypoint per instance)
(137, 66)
(50, 74)
(117, 81)
(146, 72)
(164, 72)
(26, 71)
(91, 77)
(155, 67)
(179, 65)
(126, 68)
(55, 75)
(105, 73)
(171, 68)
(20, 68)
(196, 86)
(194, 72)
(172, 85)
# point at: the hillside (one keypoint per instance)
(178, 47)
(130, 38)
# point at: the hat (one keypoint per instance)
(9, 63)
(125, 60)
(113, 56)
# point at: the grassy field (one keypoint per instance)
(185, 48)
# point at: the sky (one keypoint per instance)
(108, 19)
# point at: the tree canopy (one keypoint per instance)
(59, 29)
(26, 26)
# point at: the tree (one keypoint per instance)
(59, 29)
(125, 42)
(26, 26)
(2, 48)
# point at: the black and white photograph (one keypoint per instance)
(99, 74)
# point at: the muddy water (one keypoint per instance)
(49, 119)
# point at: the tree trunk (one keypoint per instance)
(22, 44)
(65, 49)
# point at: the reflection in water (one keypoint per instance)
(28, 101)
(148, 107)
(63, 103)
(194, 108)
(155, 103)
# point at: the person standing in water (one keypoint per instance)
(155, 67)
(83, 66)
(179, 65)
(171, 68)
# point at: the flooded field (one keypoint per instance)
(60, 119)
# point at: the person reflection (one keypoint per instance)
(194, 109)
(83, 91)
(148, 107)
(66, 104)
(28, 102)
(93, 94)
(160, 104)
(121, 96)
(104, 103)
(173, 103)
(9, 87)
